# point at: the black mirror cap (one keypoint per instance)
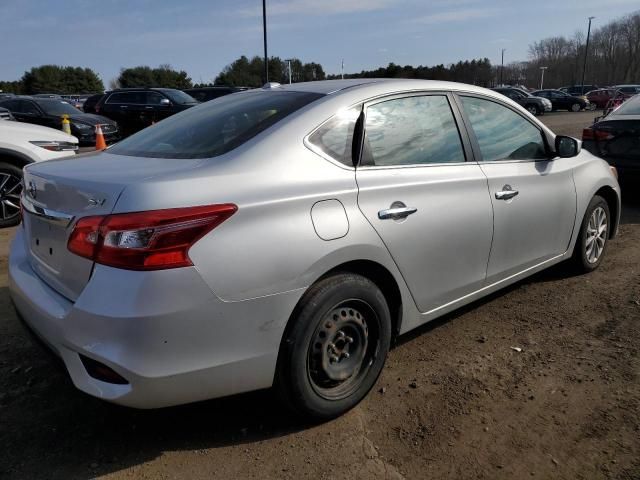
(566, 147)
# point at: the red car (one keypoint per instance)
(606, 97)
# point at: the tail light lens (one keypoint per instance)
(152, 240)
(595, 134)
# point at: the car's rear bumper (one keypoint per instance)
(164, 332)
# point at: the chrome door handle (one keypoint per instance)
(506, 193)
(396, 213)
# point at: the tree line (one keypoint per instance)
(613, 57)
(477, 72)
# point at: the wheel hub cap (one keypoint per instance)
(596, 235)
(10, 189)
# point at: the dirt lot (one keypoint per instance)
(454, 401)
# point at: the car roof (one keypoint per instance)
(331, 87)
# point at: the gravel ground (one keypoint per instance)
(455, 399)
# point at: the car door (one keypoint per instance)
(157, 107)
(126, 108)
(427, 203)
(26, 111)
(38, 116)
(533, 196)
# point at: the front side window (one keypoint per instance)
(154, 98)
(30, 109)
(214, 128)
(411, 131)
(335, 137)
(503, 134)
(178, 96)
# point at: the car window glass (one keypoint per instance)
(335, 137)
(12, 105)
(153, 98)
(411, 131)
(214, 128)
(29, 108)
(630, 107)
(127, 97)
(502, 133)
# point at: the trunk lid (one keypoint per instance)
(59, 192)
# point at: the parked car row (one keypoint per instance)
(48, 112)
(533, 104)
(562, 101)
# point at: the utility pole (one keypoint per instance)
(586, 53)
(342, 70)
(502, 66)
(542, 69)
(288, 60)
(264, 29)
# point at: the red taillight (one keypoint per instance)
(595, 134)
(153, 240)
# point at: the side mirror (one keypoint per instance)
(165, 102)
(566, 147)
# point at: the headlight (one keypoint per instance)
(55, 146)
(83, 127)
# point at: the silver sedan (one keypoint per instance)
(284, 236)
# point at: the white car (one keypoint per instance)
(20, 145)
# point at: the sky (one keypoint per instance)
(203, 36)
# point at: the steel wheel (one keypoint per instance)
(10, 190)
(334, 347)
(342, 349)
(596, 238)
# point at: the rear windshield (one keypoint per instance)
(630, 107)
(214, 128)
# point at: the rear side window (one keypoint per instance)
(335, 137)
(214, 128)
(411, 131)
(502, 133)
(134, 98)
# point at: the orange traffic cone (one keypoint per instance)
(100, 143)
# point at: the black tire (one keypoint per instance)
(533, 109)
(575, 107)
(581, 258)
(313, 375)
(10, 190)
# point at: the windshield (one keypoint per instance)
(178, 96)
(630, 107)
(57, 107)
(214, 128)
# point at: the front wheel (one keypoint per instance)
(592, 242)
(334, 350)
(533, 109)
(576, 107)
(10, 190)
